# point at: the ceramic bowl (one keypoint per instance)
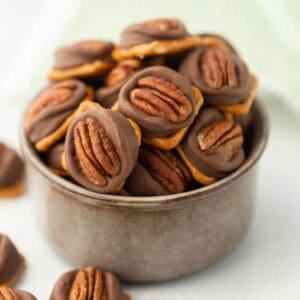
(147, 238)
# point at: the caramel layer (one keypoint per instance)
(196, 173)
(244, 107)
(85, 70)
(167, 47)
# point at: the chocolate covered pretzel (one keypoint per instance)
(162, 102)
(158, 172)
(213, 146)
(83, 59)
(223, 78)
(11, 173)
(88, 283)
(115, 79)
(55, 159)
(11, 261)
(53, 110)
(101, 150)
(158, 37)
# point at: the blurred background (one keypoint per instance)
(267, 35)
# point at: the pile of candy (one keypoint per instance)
(162, 112)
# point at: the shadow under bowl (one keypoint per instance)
(147, 238)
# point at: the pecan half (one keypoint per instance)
(218, 69)
(166, 168)
(88, 285)
(52, 97)
(223, 136)
(162, 24)
(95, 152)
(122, 70)
(161, 98)
(8, 294)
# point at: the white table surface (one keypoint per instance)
(265, 265)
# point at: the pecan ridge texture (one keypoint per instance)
(161, 98)
(88, 285)
(8, 294)
(222, 137)
(165, 168)
(52, 97)
(95, 152)
(122, 71)
(219, 69)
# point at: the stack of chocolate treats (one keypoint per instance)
(161, 112)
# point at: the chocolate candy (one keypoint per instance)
(245, 120)
(108, 94)
(155, 37)
(90, 284)
(158, 172)
(213, 146)
(10, 294)
(160, 37)
(155, 82)
(115, 79)
(55, 159)
(222, 77)
(82, 59)
(11, 172)
(11, 261)
(152, 30)
(53, 110)
(101, 150)
(159, 100)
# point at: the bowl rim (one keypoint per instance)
(98, 199)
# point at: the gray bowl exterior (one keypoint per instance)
(146, 239)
